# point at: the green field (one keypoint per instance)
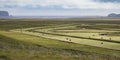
(60, 39)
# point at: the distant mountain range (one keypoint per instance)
(5, 14)
(114, 15)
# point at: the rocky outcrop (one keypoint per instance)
(4, 14)
(114, 15)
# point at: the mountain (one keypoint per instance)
(114, 15)
(4, 14)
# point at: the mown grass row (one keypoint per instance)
(76, 36)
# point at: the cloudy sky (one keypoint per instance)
(60, 7)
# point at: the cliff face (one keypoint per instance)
(114, 15)
(4, 14)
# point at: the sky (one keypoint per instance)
(60, 7)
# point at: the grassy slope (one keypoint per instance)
(14, 47)
(54, 35)
(63, 50)
(11, 49)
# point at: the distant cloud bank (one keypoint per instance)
(33, 5)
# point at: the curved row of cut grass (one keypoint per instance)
(80, 40)
(89, 36)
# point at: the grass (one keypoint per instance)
(63, 50)
(19, 46)
(101, 27)
(79, 32)
(114, 34)
(15, 49)
(78, 39)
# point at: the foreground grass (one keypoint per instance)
(20, 46)
(11, 49)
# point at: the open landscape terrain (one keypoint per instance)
(60, 39)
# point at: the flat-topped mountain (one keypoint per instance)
(114, 15)
(4, 14)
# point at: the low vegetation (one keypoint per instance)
(15, 44)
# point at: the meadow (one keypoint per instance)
(60, 39)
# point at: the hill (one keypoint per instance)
(4, 14)
(114, 15)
